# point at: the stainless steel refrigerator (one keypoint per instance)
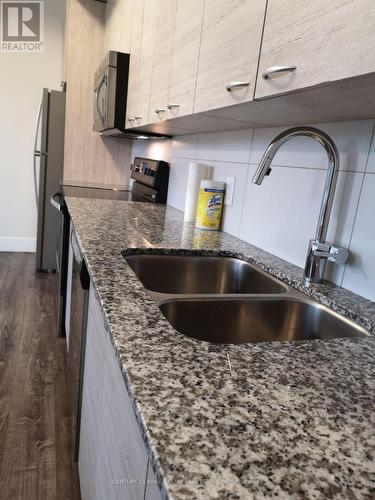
(48, 171)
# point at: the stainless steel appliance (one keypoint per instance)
(80, 285)
(151, 179)
(110, 93)
(110, 97)
(48, 170)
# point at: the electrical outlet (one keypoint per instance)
(229, 190)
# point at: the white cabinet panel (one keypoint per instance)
(326, 40)
(113, 458)
(229, 52)
(152, 491)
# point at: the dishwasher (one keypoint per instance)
(80, 283)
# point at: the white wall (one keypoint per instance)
(280, 216)
(22, 78)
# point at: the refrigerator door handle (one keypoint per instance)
(57, 201)
(36, 152)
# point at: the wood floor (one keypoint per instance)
(35, 437)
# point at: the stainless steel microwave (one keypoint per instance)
(110, 94)
(110, 98)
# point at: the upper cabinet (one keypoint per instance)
(229, 52)
(315, 42)
(165, 22)
(208, 56)
(141, 97)
(135, 61)
(186, 43)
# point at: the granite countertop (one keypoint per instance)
(250, 421)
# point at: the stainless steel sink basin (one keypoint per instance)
(186, 274)
(226, 300)
(243, 320)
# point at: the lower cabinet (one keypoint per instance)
(113, 462)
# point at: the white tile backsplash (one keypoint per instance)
(158, 150)
(360, 271)
(340, 229)
(371, 159)
(232, 214)
(281, 215)
(185, 146)
(233, 147)
(351, 138)
(178, 175)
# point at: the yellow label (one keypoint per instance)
(209, 209)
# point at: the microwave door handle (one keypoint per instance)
(96, 94)
(106, 99)
(96, 97)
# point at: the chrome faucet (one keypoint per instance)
(319, 251)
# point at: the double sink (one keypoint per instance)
(227, 300)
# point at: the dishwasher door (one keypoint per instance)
(77, 336)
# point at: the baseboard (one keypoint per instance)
(8, 244)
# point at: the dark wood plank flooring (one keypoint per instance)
(35, 428)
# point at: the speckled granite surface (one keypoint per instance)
(285, 420)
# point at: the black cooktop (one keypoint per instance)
(100, 191)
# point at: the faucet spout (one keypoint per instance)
(315, 263)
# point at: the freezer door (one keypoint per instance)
(51, 155)
(39, 161)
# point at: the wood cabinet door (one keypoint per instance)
(325, 40)
(143, 86)
(229, 52)
(161, 71)
(135, 61)
(186, 43)
(113, 458)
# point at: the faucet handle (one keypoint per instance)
(338, 255)
(330, 252)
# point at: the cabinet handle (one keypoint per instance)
(274, 70)
(234, 85)
(130, 120)
(171, 106)
(160, 110)
(138, 117)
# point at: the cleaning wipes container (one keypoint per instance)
(210, 205)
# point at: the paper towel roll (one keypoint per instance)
(197, 172)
